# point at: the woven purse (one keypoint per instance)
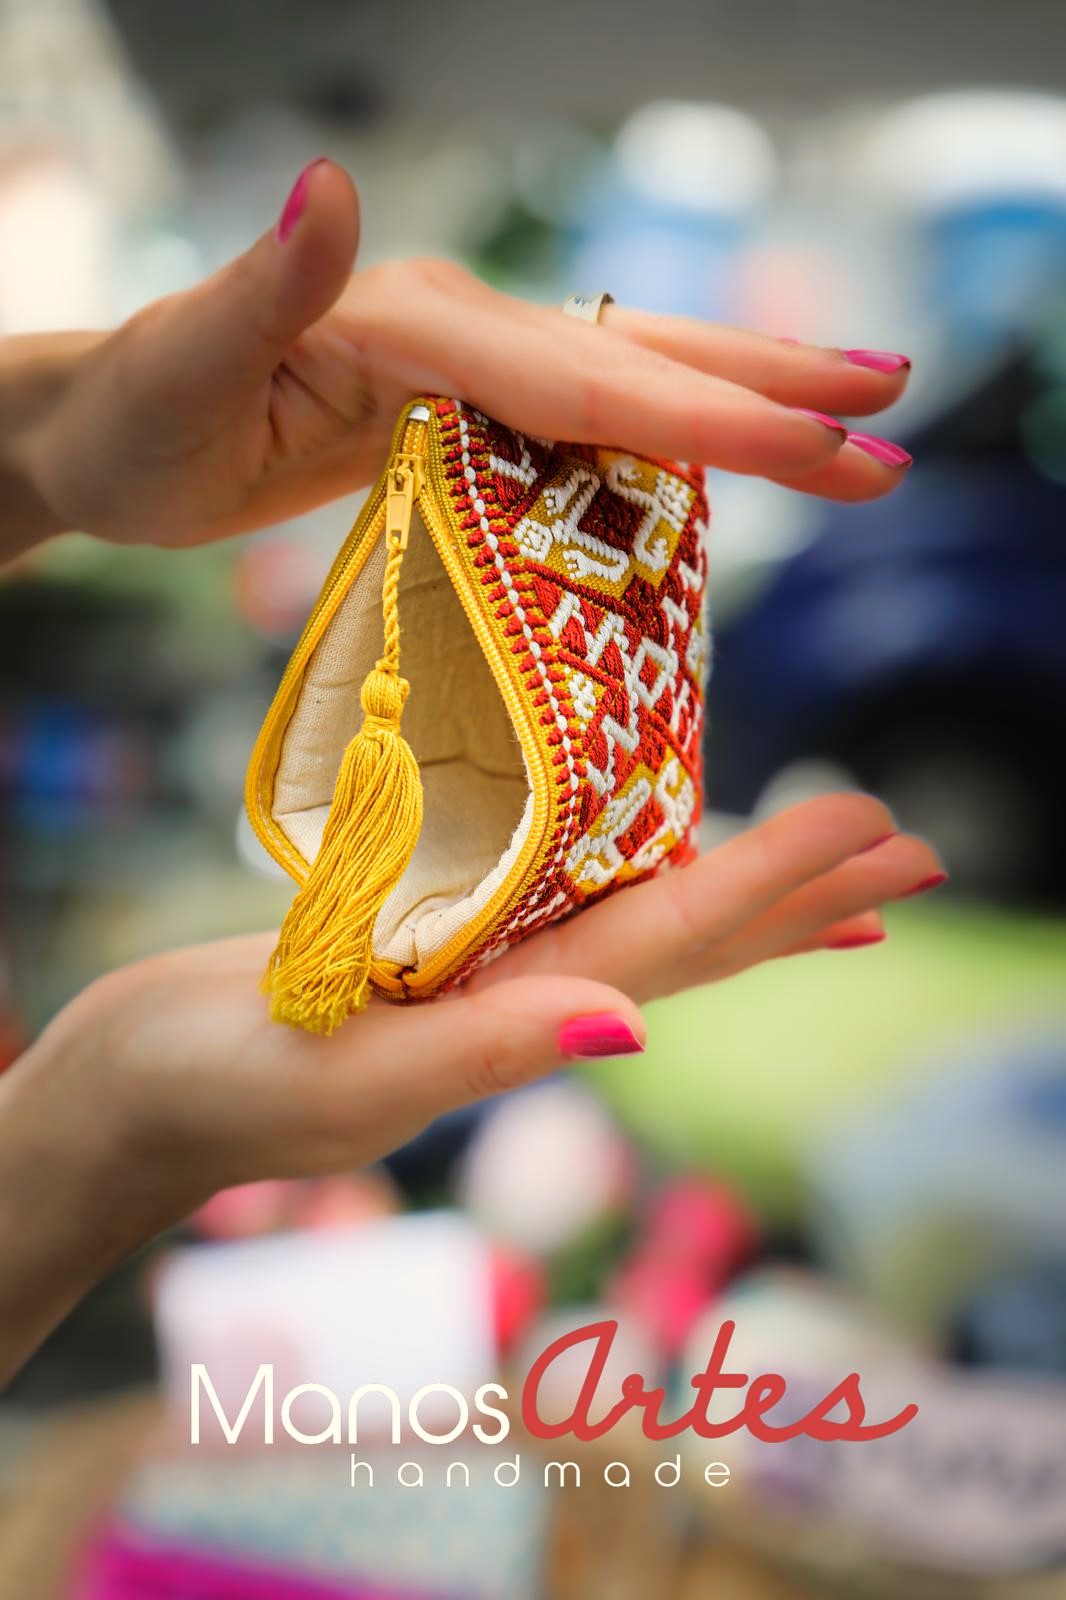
(554, 651)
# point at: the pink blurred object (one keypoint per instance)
(346, 1200)
(12, 1042)
(702, 1223)
(275, 579)
(519, 1292)
(120, 1566)
(252, 1209)
(246, 1211)
(697, 1236)
(665, 1301)
(14, 1036)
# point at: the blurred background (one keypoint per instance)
(858, 1158)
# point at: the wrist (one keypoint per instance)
(77, 1196)
(36, 374)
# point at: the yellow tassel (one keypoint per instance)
(319, 973)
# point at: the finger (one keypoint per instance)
(891, 871)
(222, 339)
(850, 933)
(432, 1058)
(855, 382)
(439, 329)
(865, 468)
(641, 940)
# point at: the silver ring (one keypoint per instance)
(587, 307)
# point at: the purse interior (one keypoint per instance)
(478, 804)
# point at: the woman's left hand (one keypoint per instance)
(273, 386)
(165, 1081)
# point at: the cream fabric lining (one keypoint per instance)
(478, 800)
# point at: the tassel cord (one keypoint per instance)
(320, 971)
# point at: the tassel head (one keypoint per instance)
(319, 973)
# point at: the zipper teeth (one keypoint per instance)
(358, 541)
(412, 437)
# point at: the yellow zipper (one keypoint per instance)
(389, 511)
(350, 559)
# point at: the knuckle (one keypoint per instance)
(494, 1070)
(240, 283)
(689, 915)
(852, 811)
(479, 1078)
(760, 855)
(590, 402)
(432, 273)
(497, 1058)
(875, 814)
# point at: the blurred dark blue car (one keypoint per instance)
(919, 643)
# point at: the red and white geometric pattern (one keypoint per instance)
(595, 564)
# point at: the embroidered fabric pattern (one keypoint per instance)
(549, 600)
(595, 568)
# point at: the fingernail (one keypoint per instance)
(603, 1034)
(827, 422)
(855, 941)
(876, 360)
(932, 882)
(885, 837)
(293, 208)
(883, 450)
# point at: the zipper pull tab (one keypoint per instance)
(406, 476)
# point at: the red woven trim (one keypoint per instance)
(542, 887)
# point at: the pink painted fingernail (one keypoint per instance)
(877, 843)
(883, 450)
(293, 208)
(932, 882)
(827, 422)
(876, 360)
(602, 1034)
(855, 941)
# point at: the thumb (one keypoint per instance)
(510, 1034)
(226, 336)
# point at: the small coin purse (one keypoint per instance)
(554, 652)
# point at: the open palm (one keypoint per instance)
(179, 1051)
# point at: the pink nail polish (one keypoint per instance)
(293, 208)
(932, 882)
(855, 941)
(827, 422)
(876, 360)
(877, 843)
(882, 450)
(603, 1034)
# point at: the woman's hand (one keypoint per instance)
(273, 387)
(165, 1081)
